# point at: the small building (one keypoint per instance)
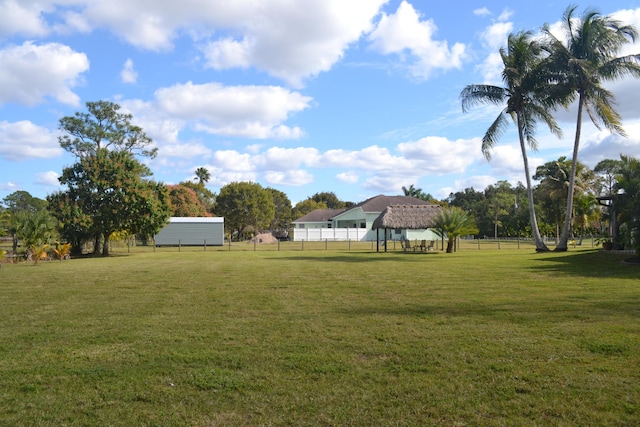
(354, 223)
(192, 231)
(416, 219)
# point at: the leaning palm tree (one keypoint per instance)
(528, 99)
(587, 59)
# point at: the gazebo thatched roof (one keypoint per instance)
(413, 217)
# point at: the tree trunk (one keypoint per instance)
(96, 245)
(105, 245)
(450, 243)
(540, 246)
(566, 229)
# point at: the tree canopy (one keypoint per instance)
(103, 126)
(106, 193)
(243, 205)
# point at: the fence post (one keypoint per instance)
(229, 243)
(518, 241)
(278, 245)
(498, 242)
(255, 242)
(349, 240)
(179, 245)
(478, 244)
(303, 244)
(205, 245)
(326, 243)
(154, 244)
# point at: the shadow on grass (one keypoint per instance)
(594, 263)
(551, 310)
(354, 257)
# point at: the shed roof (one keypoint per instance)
(196, 219)
(413, 217)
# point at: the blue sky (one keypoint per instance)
(356, 97)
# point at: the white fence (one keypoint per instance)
(322, 234)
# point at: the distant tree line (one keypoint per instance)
(110, 191)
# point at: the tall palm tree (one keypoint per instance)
(203, 175)
(586, 60)
(528, 100)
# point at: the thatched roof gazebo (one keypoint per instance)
(411, 217)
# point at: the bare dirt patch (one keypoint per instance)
(264, 238)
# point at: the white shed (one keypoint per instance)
(192, 231)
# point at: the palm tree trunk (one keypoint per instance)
(566, 229)
(540, 246)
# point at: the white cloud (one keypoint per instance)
(293, 40)
(248, 111)
(8, 186)
(604, 145)
(23, 139)
(405, 34)
(505, 15)
(293, 178)
(48, 179)
(495, 36)
(289, 40)
(279, 159)
(29, 73)
(477, 182)
(348, 177)
(483, 11)
(22, 18)
(128, 73)
(437, 155)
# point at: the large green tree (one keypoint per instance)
(307, 206)
(21, 200)
(526, 96)
(108, 192)
(108, 189)
(245, 204)
(328, 198)
(583, 62)
(283, 213)
(498, 203)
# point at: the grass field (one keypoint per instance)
(320, 338)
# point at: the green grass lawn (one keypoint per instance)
(321, 338)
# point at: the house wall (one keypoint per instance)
(302, 225)
(339, 234)
(191, 232)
